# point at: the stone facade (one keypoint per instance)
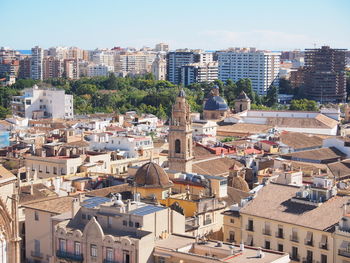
(180, 136)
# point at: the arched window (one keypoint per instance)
(177, 146)
(240, 107)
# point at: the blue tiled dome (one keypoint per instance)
(215, 103)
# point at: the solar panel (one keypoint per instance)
(145, 210)
(95, 201)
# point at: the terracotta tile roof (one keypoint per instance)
(273, 202)
(216, 166)
(300, 140)
(245, 128)
(340, 170)
(6, 175)
(200, 152)
(320, 121)
(105, 192)
(40, 191)
(55, 205)
(321, 154)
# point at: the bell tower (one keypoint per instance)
(180, 136)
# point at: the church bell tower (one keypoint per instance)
(180, 136)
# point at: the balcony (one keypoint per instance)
(294, 238)
(249, 228)
(109, 261)
(306, 260)
(36, 254)
(295, 258)
(266, 232)
(68, 255)
(344, 253)
(309, 243)
(324, 246)
(279, 234)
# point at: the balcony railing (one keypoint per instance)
(266, 232)
(249, 228)
(69, 255)
(294, 238)
(344, 253)
(295, 257)
(309, 243)
(36, 254)
(279, 234)
(324, 246)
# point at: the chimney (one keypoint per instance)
(232, 249)
(241, 246)
(345, 209)
(31, 188)
(75, 206)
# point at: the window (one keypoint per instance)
(267, 229)
(89, 217)
(250, 226)
(77, 248)
(109, 254)
(309, 256)
(93, 250)
(36, 215)
(323, 258)
(28, 102)
(232, 220)
(126, 257)
(309, 239)
(37, 246)
(267, 244)
(177, 146)
(280, 247)
(131, 224)
(294, 236)
(161, 260)
(40, 170)
(47, 170)
(324, 243)
(55, 170)
(83, 216)
(294, 255)
(125, 223)
(137, 224)
(250, 241)
(62, 244)
(232, 236)
(280, 231)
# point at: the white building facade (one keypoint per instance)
(43, 103)
(262, 67)
(36, 63)
(99, 70)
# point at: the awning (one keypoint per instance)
(323, 240)
(309, 237)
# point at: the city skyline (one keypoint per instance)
(195, 24)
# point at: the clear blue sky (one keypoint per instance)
(206, 24)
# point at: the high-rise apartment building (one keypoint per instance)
(36, 66)
(134, 62)
(24, 68)
(105, 57)
(324, 76)
(261, 67)
(98, 70)
(199, 72)
(182, 57)
(52, 68)
(162, 47)
(71, 69)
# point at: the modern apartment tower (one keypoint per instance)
(36, 66)
(182, 57)
(261, 67)
(199, 72)
(324, 75)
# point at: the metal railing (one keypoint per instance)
(69, 255)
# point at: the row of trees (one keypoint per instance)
(144, 94)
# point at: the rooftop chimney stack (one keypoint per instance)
(31, 188)
(241, 246)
